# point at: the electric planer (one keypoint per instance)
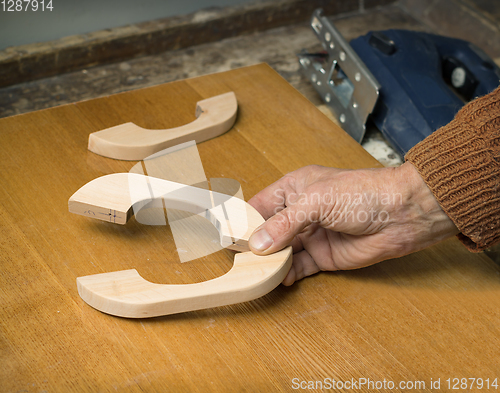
(408, 83)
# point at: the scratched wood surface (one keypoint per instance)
(434, 314)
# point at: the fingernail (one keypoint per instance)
(261, 240)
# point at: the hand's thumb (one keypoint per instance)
(277, 232)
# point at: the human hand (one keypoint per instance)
(346, 219)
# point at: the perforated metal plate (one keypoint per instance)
(341, 78)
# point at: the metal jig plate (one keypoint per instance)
(340, 77)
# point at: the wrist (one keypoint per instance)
(419, 213)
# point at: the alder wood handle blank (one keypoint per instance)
(126, 294)
(115, 198)
(215, 116)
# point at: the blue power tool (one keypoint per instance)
(408, 83)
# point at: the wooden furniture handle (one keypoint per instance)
(115, 198)
(215, 116)
(125, 293)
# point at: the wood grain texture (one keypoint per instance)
(432, 314)
(128, 141)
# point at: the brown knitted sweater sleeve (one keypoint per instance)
(460, 163)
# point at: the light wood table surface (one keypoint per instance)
(432, 315)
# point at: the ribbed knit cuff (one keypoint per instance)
(460, 163)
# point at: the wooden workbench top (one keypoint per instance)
(432, 315)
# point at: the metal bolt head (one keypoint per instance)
(328, 97)
(305, 61)
(342, 118)
(332, 45)
(342, 56)
(328, 37)
(357, 76)
(314, 78)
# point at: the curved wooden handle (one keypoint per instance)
(215, 116)
(127, 294)
(115, 198)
